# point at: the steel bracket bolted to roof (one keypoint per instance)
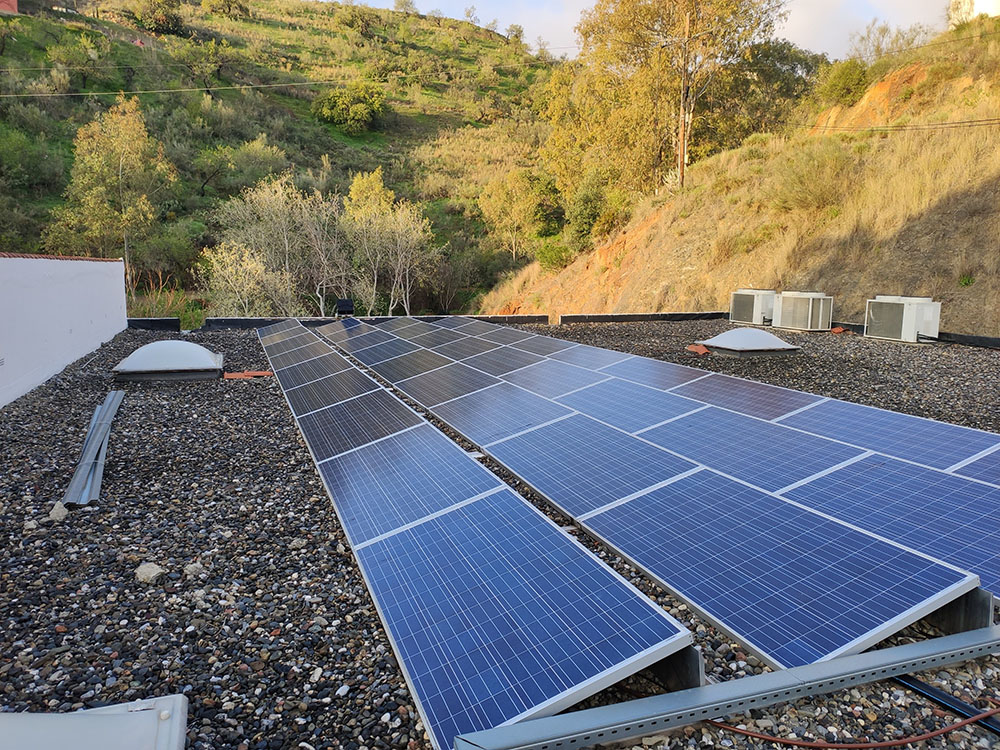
(648, 716)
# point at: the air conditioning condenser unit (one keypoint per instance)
(902, 318)
(753, 306)
(803, 311)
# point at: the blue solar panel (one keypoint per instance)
(746, 396)
(453, 321)
(356, 422)
(344, 329)
(945, 516)
(502, 360)
(282, 325)
(329, 390)
(498, 412)
(381, 352)
(313, 369)
(502, 335)
(267, 340)
(395, 324)
(372, 337)
(794, 585)
(393, 482)
(550, 378)
(445, 384)
(542, 345)
(474, 327)
(300, 354)
(300, 338)
(469, 346)
(762, 453)
(418, 328)
(582, 465)
(986, 469)
(497, 614)
(589, 356)
(408, 365)
(653, 372)
(438, 337)
(925, 441)
(628, 406)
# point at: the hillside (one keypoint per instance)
(827, 206)
(241, 81)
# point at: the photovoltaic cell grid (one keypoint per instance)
(301, 354)
(792, 584)
(563, 461)
(509, 617)
(551, 379)
(393, 482)
(503, 360)
(985, 469)
(371, 338)
(628, 406)
(448, 383)
(438, 337)
(746, 396)
(408, 365)
(279, 336)
(506, 335)
(496, 612)
(329, 390)
(941, 515)
(353, 423)
(498, 412)
(936, 444)
(381, 352)
(469, 346)
(762, 453)
(314, 369)
(542, 345)
(289, 343)
(653, 372)
(582, 465)
(589, 356)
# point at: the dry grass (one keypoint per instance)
(855, 216)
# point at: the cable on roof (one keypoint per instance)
(859, 745)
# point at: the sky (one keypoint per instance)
(818, 25)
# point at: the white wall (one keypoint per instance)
(52, 312)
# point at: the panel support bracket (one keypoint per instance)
(647, 716)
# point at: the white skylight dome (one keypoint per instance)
(170, 360)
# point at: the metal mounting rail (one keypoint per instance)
(648, 716)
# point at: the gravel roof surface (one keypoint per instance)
(262, 618)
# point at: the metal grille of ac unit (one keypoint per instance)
(885, 320)
(742, 308)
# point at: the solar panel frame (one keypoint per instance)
(582, 465)
(503, 335)
(409, 365)
(470, 346)
(274, 338)
(281, 325)
(591, 357)
(329, 390)
(313, 369)
(300, 354)
(551, 379)
(985, 469)
(372, 355)
(351, 424)
(390, 483)
(941, 515)
(453, 321)
(762, 453)
(502, 360)
(746, 396)
(445, 384)
(925, 441)
(442, 733)
(712, 519)
(628, 406)
(290, 343)
(544, 345)
(654, 373)
(498, 412)
(439, 337)
(366, 339)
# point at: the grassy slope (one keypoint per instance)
(435, 69)
(853, 214)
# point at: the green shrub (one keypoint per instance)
(354, 108)
(583, 212)
(842, 83)
(158, 16)
(553, 254)
(27, 164)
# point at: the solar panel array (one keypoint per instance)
(495, 613)
(630, 447)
